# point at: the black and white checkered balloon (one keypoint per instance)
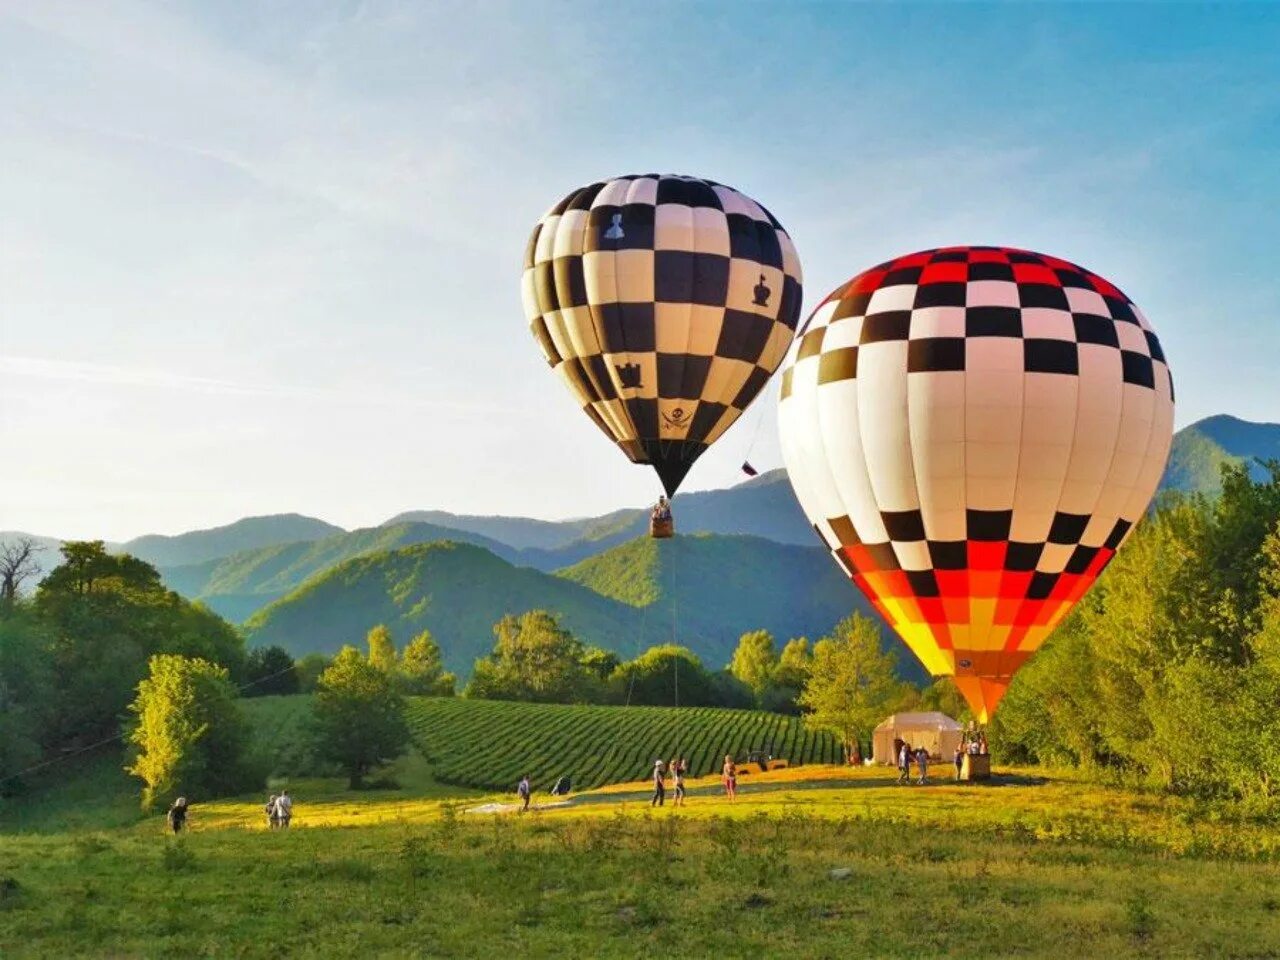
(665, 303)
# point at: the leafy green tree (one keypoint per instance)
(269, 670)
(794, 664)
(382, 649)
(754, 661)
(107, 614)
(852, 685)
(309, 668)
(600, 662)
(26, 692)
(665, 676)
(534, 658)
(189, 736)
(358, 721)
(422, 671)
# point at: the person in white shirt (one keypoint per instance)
(284, 809)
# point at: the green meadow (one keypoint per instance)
(813, 861)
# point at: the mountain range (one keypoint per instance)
(310, 585)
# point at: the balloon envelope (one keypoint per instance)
(665, 303)
(973, 432)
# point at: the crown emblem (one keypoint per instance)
(762, 293)
(628, 375)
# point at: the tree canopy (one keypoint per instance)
(852, 685)
(358, 720)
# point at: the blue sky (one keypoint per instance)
(260, 258)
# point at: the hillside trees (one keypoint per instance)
(665, 676)
(359, 719)
(382, 649)
(105, 615)
(269, 671)
(1167, 668)
(422, 671)
(188, 734)
(852, 685)
(534, 658)
(755, 660)
(26, 693)
(18, 564)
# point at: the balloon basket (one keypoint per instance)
(975, 766)
(662, 529)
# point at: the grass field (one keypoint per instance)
(489, 744)
(1039, 864)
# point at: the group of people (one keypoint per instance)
(919, 756)
(973, 744)
(279, 810)
(676, 770)
(661, 510)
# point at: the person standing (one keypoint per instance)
(959, 760)
(524, 791)
(284, 810)
(922, 762)
(177, 815)
(677, 779)
(904, 763)
(270, 810)
(729, 774)
(659, 784)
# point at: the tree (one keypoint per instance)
(754, 661)
(26, 693)
(189, 736)
(422, 671)
(664, 676)
(382, 649)
(309, 668)
(852, 685)
(269, 670)
(17, 566)
(534, 658)
(107, 614)
(794, 664)
(358, 720)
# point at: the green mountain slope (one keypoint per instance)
(711, 589)
(455, 590)
(250, 533)
(239, 585)
(705, 591)
(1200, 450)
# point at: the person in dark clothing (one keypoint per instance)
(959, 758)
(177, 815)
(659, 784)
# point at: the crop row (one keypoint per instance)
(489, 744)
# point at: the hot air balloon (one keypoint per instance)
(973, 432)
(665, 303)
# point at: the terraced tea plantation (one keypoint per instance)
(489, 744)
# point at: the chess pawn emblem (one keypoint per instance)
(615, 229)
(762, 293)
(628, 375)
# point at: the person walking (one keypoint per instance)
(922, 762)
(524, 791)
(177, 815)
(904, 762)
(284, 810)
(270, 810)
(959, 760)
(659, 784)
(729, 774)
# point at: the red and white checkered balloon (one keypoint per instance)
(974, 431)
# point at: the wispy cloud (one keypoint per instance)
(113, 375)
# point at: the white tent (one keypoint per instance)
(936, 732)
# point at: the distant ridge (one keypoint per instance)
(198, 546)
